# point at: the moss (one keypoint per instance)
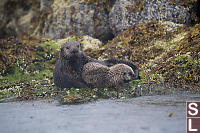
(138, 40)
(32, 78)
(182, 2)
(138, 6)
(182, 67)
(33, 72)
(12, 52)
(164, 56)
(169, 57)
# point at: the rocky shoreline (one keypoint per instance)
(162, 37)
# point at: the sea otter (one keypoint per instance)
(97, 75)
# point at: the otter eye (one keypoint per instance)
(77, 46)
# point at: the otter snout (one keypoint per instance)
(74, 51)
(129, 77)
(132, 75)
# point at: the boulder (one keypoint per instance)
(77, 18)
(127, 13)
(87, 42)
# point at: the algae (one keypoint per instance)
(31, 72)
(166, 59)
(169, 57)
(30, 77)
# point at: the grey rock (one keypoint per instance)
(77, 18)
(126, 13)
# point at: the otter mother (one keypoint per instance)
(68, 68)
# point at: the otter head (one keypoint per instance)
(70, 49)
(128, 75)
(125, 72)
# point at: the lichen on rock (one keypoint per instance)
(127, 13)
(77, 18)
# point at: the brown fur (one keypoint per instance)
(99, 76)
(68, 68)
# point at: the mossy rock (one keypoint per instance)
(163, 54)
(166, 53)
(87, 42)
(30, 73)
(102, 4)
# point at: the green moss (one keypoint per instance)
(15, 75)
(138, 42)
(183, 63)
(32, 78)
(33, 74)
(51, 46)
(164, 57)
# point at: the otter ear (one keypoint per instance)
(81, 46)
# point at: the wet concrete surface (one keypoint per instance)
(145, 114)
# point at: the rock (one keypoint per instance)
(165, 52)
(151, 39)
(77, 18)
(17, 16)
(87, 42)
(126, 13)
(90, 43)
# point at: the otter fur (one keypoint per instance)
(69, 66)
(99, 76)
(111, 62)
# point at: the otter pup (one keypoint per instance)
(111, 62)
(99, 76)
(69, 66)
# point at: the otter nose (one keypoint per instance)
(132, 75)
(75, 51)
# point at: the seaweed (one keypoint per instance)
(164, 56)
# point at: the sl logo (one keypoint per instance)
(193, 116)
